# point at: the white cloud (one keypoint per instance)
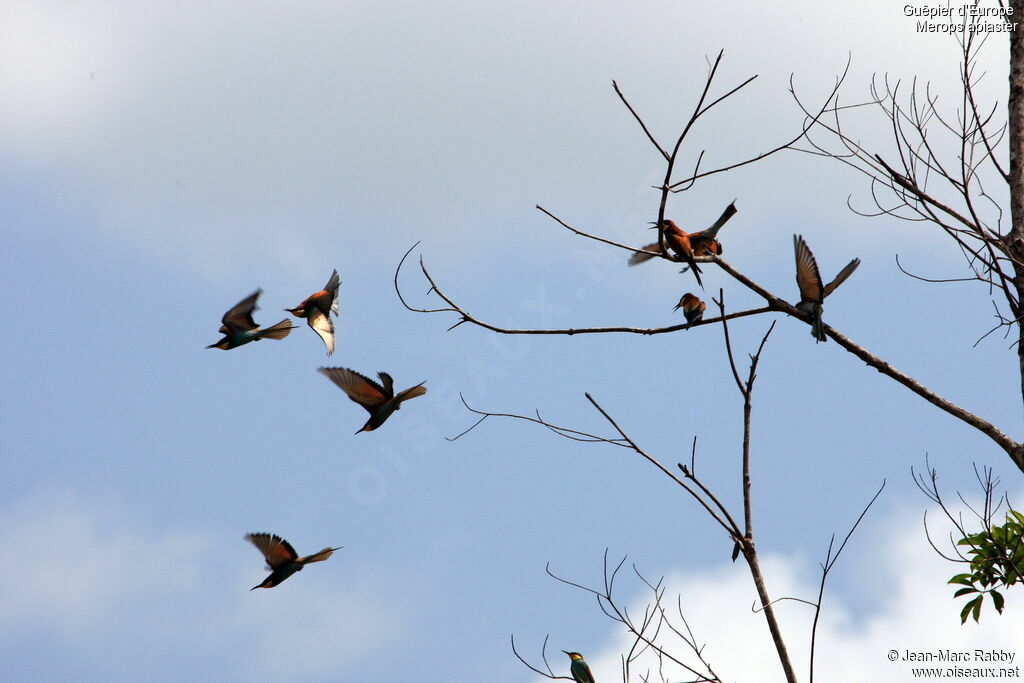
(90, 578)
(210, 131)
(906, 605)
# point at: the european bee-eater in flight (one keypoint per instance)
(688, 246)
(239, 328)
(379, 400)
(693, 308)
(317, 309)
(282, 560)
(578, 668)
(812, 292)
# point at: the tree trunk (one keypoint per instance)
(1015, 239)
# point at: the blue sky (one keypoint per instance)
(158, 164)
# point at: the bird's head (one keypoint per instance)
(666, 224)
(573, 655)
(298, 311)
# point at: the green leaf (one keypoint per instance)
(977, 608)
(964, 591)
(962, 579)
(966, 611)
(997, 601)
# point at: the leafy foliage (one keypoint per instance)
(996, 558)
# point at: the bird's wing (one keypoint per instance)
(636, 257)
(362, 390)
(708, 248)
(841, 278)
(411, 392)
(239, 318)
(679, 242)
(317, 557)
(389, 384)
(807, 277)
(275, 549)
(581, 671)
(324, 326)
(332, 288)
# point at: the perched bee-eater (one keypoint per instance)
(686, 245)
(579, 669)
(380, 401)
(282, 560)
(239, 328)
(693, 308)
(679, 242)
(317, 309)
(812, 292)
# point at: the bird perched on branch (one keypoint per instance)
(317, 310)
(379, 400)
(239, 328)
(693, 308)
(282, 560)
(578, 668)
(688, 246)
(812, 292)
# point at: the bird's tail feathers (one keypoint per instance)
(320, 556)
(818, 328)
(411, 392)
(278, 331)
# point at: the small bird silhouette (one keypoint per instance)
(282, 560)
(688, 246)
(239, 328)
(693, 308)
(317, 309)
(380, 401)
(578, 668)
(812, 292)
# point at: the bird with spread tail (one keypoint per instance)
(380, 400)
(688, 246)
(317, 309)
(282, 560)
(239, 328)
(693, 308)
(578, 668)
(812, 292)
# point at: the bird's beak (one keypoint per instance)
(565, 651)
